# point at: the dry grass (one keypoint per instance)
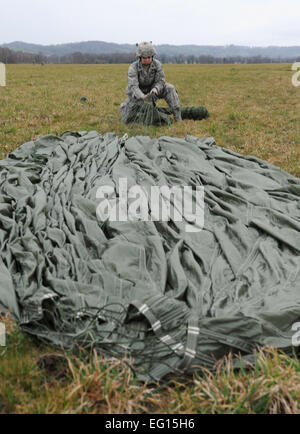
(272, 386)
(254, 110)
(86, 383)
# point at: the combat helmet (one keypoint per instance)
(145, 49)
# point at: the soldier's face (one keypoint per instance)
(146, 60)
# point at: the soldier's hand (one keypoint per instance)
(154, 90)
(150, 98)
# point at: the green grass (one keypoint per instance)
(254, 110)
(85, 383)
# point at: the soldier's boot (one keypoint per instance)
(177, 115)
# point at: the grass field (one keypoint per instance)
(254, 110)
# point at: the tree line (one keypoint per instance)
(8, 56)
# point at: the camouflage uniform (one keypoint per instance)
(140, 82)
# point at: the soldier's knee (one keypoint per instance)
(170, 88)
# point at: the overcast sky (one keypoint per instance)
(201, 22)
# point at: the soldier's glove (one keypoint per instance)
(150, 98)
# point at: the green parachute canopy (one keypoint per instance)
(169, 299)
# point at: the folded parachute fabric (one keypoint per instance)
(195, 113)
(149, 114)
(168, 299)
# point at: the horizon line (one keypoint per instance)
(158, 44)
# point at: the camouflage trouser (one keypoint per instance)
(168, 93)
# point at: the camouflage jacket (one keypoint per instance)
(142, 80)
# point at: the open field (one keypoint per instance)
(254, 110)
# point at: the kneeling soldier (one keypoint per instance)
(146, 76)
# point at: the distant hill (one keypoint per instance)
(100, 47)
(91, 47)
